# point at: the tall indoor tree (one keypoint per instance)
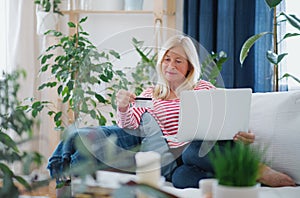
(272, 55)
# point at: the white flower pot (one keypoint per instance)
(65, 5)
(45, 21)
(133, 4)
(110, 5)
(220, 191)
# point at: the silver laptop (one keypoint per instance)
(216, 114)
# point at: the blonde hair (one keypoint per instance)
(162, 89)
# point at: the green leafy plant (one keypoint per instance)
(237, 165)
(145, 68)
(212, 66)
(14, 124)
(47, 5)
(80, 75)
(272, 55)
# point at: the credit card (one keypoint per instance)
(142, 98)
(143, 102)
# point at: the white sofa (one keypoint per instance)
(265, 192)
(275, 120)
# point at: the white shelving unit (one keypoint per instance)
(161, 13)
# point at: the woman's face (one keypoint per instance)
(175, 65)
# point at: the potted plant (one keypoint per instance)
(111, 5)
(133, 4)
(237, 168)
(15, 128)
(272, 55)
(47, 13)
(80, 75)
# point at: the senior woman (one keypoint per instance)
(153, 128)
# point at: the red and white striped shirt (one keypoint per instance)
(166, 113)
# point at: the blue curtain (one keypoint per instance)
(224, 25)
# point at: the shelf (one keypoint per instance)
(114, 12)
(106, 12)
(159, 13)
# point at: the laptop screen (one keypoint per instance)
(215, 114)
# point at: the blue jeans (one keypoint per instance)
(195, 166)
(111, 147)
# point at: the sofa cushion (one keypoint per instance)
(275, 120)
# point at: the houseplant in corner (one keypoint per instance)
(237, 168)
(79, 76)
(15, 128)
(272, 55)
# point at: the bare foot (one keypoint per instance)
(274, 178)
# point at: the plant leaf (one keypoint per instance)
(71, 25)
(47, 6)
(287, 75)
(273, 3)
(83, 20)
(22, 181)
(100, 98)
(296, 18)
(274, 58)
(59, 89)
(292, 19)
(115, 54)
(44, 68)
(288, 35)
(280, 57)
(36, 104)
(5, 139)
(48, 84)
(248, 44)
(103, 78)
(57, 116)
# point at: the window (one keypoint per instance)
(293, 45)
(3, 37)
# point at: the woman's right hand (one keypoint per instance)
(124, 98)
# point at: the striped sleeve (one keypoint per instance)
(132, 117)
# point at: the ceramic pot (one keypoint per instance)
(221, 191)
(133, 4)
(105, 5)
(65, 5)
(46, 21)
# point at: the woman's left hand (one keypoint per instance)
(246, 137)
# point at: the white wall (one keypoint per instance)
(292, 45)
(115, 30)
